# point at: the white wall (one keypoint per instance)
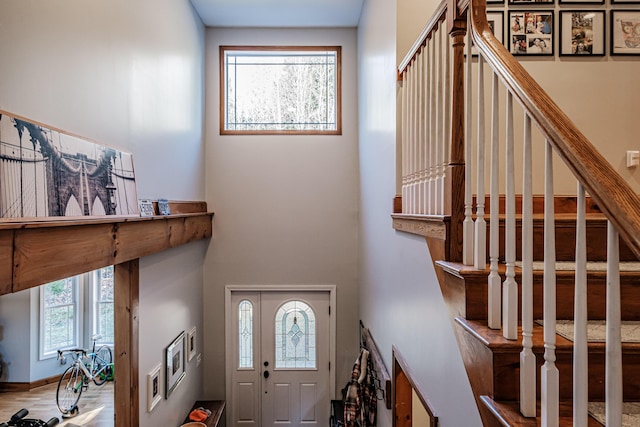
(286, 206)
(128, 74)
(15, 327)
(400, 299)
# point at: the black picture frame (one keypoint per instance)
(625, 1)
(625, 32)
(495, 19)
(579, 2)
(530, 3)
(582, 33)
(531, 32)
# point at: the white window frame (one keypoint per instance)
(264, 51)
(94, 310)
(86, 313)
(77, 304)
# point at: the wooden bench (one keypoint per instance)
(215, 406)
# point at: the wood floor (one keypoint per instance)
(96, 405)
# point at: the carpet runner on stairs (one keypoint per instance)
(597, 332)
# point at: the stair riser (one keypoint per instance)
(566, 242)
(506, 368)
(476, 291)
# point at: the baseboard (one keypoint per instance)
(16, 386)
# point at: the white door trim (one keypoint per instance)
(229, 289)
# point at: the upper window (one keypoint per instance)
(276, 90)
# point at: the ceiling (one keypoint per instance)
(279, 13)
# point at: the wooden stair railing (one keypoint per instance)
(438, 122)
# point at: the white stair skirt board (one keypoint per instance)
(630, 413)
(591, 266)
(597, 330)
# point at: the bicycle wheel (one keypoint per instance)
(69, 389)
(102, 365)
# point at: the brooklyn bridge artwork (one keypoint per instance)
(45, 172)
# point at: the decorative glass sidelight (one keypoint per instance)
(245, 334)
(295, 336)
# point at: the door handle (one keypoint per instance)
(265, 374)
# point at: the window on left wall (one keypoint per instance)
(72, 310)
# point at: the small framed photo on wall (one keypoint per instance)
(531, 32)
(581, 1)
(625, 32)
(530, 2)
(154, 387)
(582, 33)
(496, 24)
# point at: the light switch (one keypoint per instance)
(633, 158)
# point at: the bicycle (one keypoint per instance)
(75, 379)
(18, 420)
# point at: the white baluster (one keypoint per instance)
(550, 396)
(613, 369)
(494, 236)
(405, 140)
(427, 129)
(416, 135)
(412, 127)
(419, 139)
(480, 261)
(439, 122)
(527, 358)
(580, 349)
(432, 126)
(510, 287)
(467, 225)
(445, 144)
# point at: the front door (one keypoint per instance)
(280, 359)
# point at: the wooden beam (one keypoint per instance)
(126, 355)
(6, 261)
(43, 251)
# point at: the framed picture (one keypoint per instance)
(625, 32)
(154, 391)
(174, 361)
(163, 207)
(625, 1)
(531, 32)
(191, 344)
(146, 207)
(496, 23)
(530, 2)
(582, 33)
(581, 1)
(494, 2)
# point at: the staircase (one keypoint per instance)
(493, 361)
(484, 243)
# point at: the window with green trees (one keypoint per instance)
(275, 90)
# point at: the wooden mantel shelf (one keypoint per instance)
(39, 251)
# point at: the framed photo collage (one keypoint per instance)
(582, 28)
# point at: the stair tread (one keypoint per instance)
(493, 339)
(508, 413)
(628, 268)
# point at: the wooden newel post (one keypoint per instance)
(454, 194)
